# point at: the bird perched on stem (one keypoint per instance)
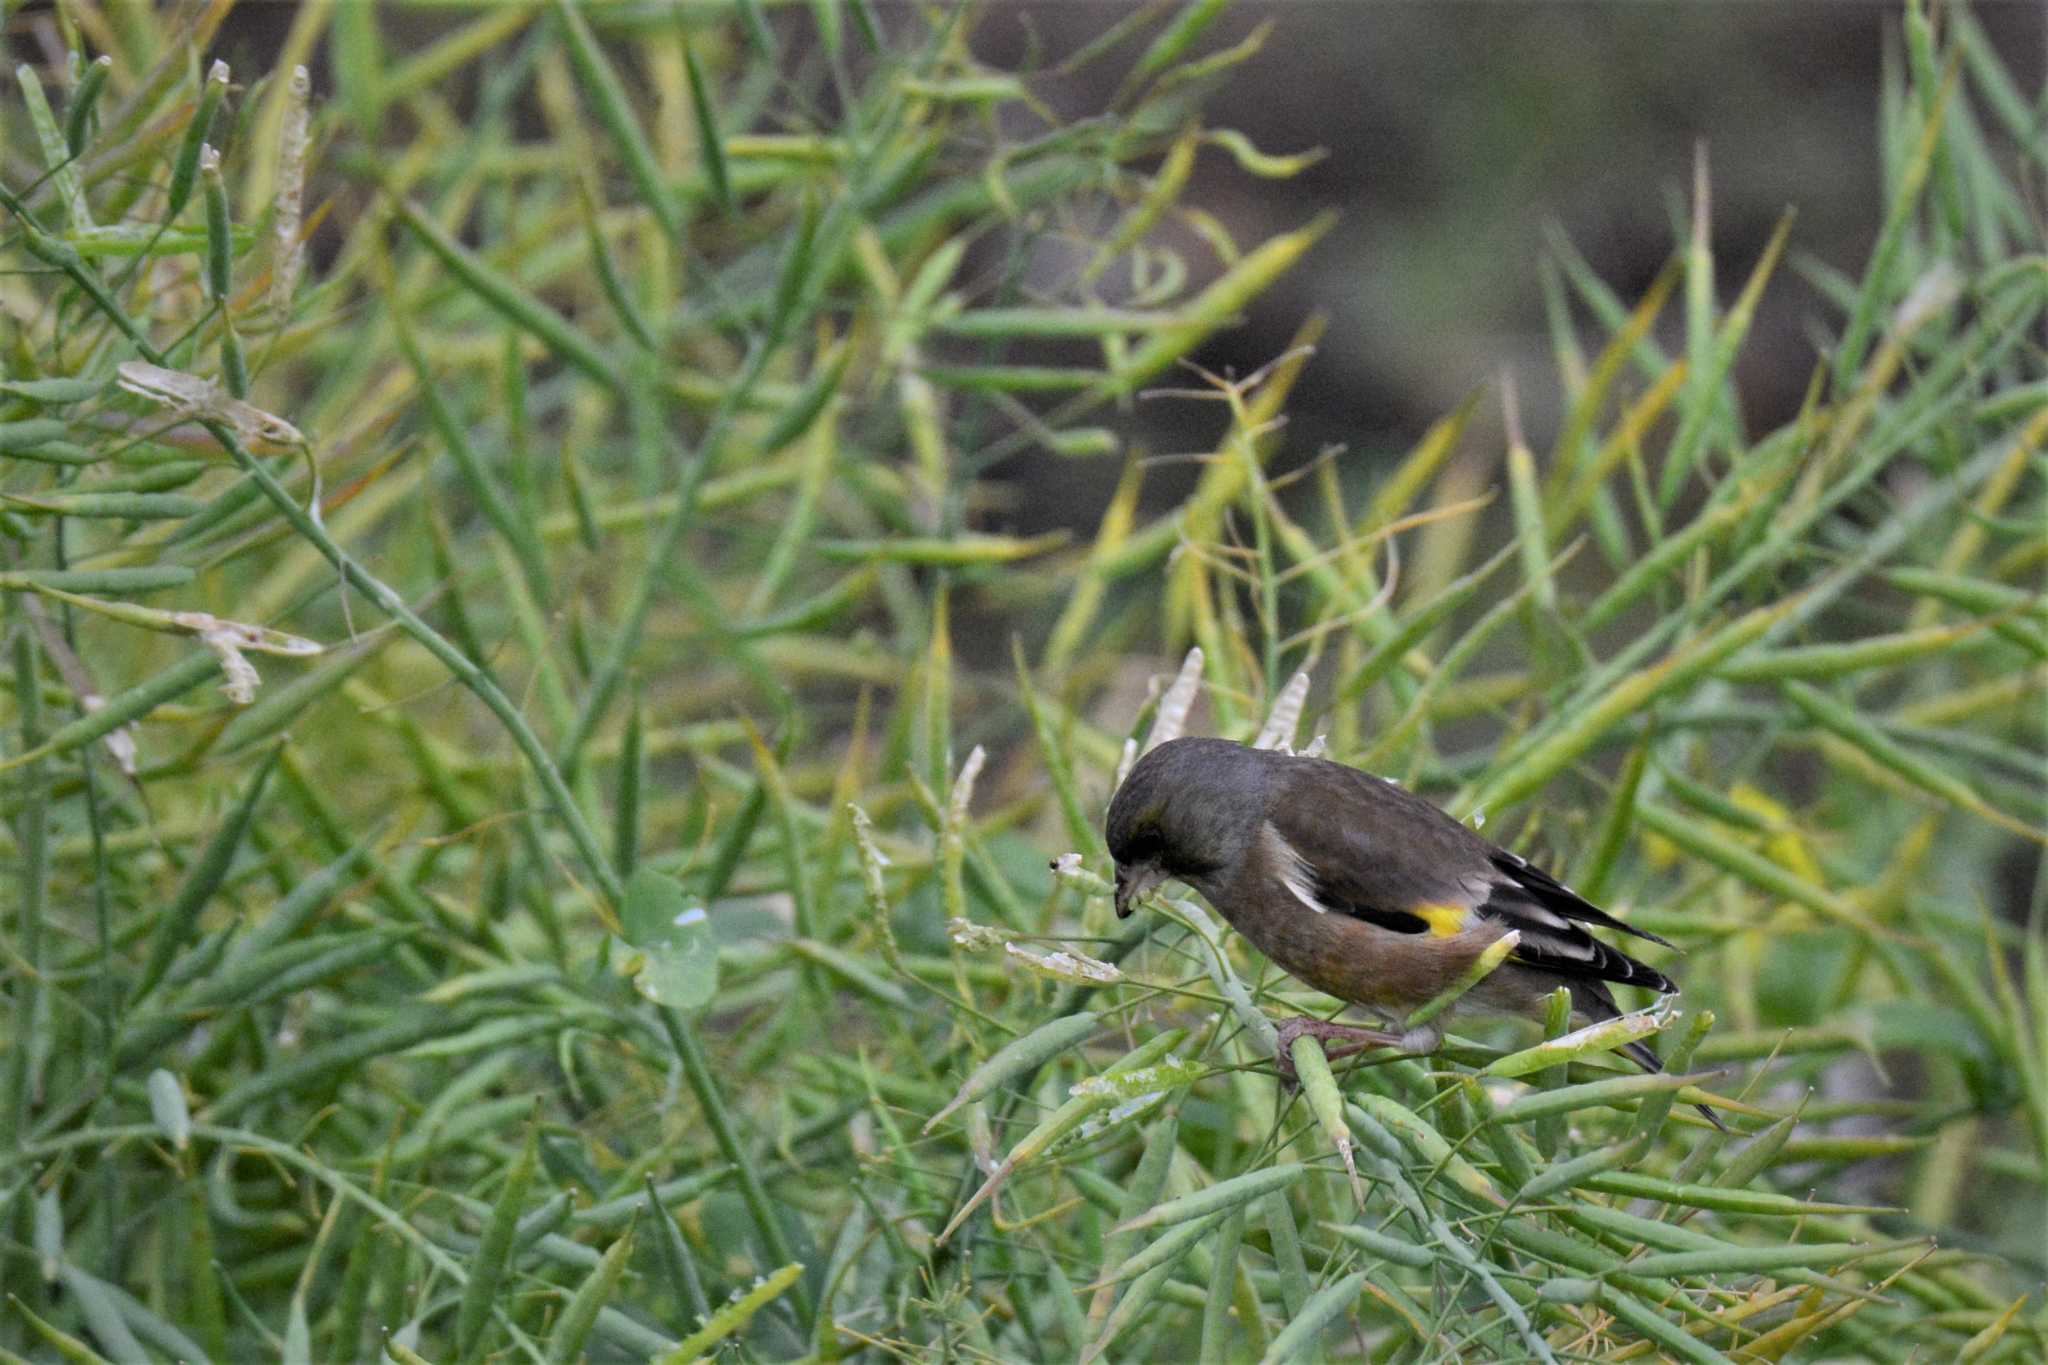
(1361, 889)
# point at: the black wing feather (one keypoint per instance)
(1550, 915)
(1552, 894)
(1559, 946)
(1335, 895)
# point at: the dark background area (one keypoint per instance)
(1458, 135)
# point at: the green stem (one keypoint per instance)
(654, 577)
(32, 843)
(697, 1071)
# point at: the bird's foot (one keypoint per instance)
(1328, 1031)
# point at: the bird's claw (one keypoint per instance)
(1354, 1038)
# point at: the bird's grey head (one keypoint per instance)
(1188, 810)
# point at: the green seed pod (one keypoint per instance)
(185, 170)
(85, 95)
(220, 246)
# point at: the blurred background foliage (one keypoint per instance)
(577, 577)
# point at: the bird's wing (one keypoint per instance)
(1358, 845)
(1555, 896)
(1554, 936)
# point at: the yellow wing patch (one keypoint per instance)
(1444, 921)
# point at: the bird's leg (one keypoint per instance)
(1422, 1039)
(1326, 1031)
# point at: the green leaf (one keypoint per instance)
(678, 961)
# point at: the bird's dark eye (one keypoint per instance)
(1145, 847)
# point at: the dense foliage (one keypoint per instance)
(551, 811)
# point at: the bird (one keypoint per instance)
(1362, 890)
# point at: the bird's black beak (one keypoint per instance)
(1133, 884)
